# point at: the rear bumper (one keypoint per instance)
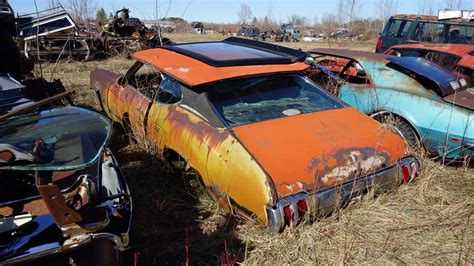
(323, 202)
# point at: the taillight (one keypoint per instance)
(409, 171)
(288, 212)
(405, 174)
(288, 215)
(293, 213)
(414, 169)
(379, 44)
(302, 208)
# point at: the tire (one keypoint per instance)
(401, 127)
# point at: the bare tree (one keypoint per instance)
(425, 7)
(341, 12)
(82, 9)
(270, 11)
(329, 23)
(51, 3)
(454, 4)
(245, 13)
(353, 7)
(299, 20)
(347, 11)
(386, 8)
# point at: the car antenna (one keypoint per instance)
(37, 39)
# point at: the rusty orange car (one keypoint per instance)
(267, 142)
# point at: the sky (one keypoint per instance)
(225, 11)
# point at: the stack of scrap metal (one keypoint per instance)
(50, 34)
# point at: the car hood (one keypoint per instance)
(319, 150)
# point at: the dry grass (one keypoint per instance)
(430, 221)
(427, 222)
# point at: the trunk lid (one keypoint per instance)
(319, 150)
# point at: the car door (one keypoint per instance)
(137, 90)
(160, 118)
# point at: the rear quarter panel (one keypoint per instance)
(223, 163)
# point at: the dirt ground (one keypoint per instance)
(175, 222)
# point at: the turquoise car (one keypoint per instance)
(425, 103)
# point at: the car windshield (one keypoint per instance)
(256, 99)
(71, 138)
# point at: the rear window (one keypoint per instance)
(432, 32)
(445, 60)
(256, 99)
(397, 28)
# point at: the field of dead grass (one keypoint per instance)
(430, 221)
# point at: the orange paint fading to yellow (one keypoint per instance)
(214, 153)
(220, 160)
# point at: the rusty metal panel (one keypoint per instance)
(219, 158)
(317, 155)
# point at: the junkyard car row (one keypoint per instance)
(276, 135)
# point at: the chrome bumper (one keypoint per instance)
(323, 202)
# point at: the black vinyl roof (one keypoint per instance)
(238, 52)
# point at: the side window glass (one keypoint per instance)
(394, 27)
(411, 53)
(403, 32)
(356, 74)
(169, 91)
(468, 33)
(430, 32)
(460, 34)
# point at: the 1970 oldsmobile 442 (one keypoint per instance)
(265, 139)
(429, 104)
(63, 199)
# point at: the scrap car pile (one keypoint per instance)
(51, 34)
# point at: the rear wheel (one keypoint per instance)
(401, 127)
